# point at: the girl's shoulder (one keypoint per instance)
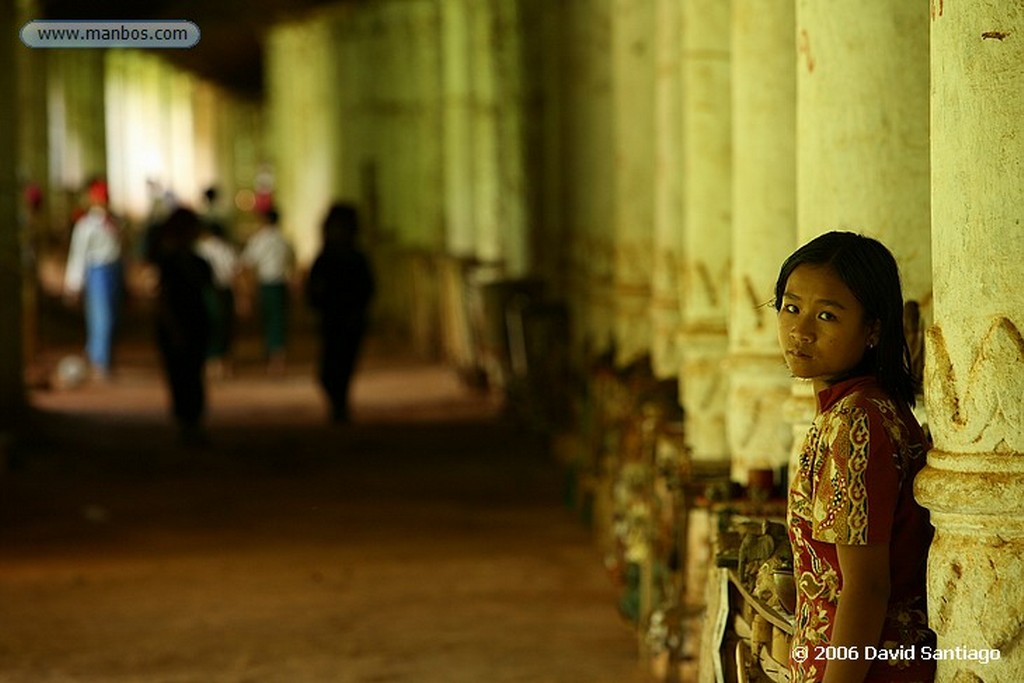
(880, 415)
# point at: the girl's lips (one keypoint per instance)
(798, 354)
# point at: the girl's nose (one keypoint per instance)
(802, 330)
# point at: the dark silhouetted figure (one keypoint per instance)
(340, 288)
(183, 321)
(220, 253)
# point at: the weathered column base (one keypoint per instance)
(759, 385)
(702, 391)
(632, 324)
(976, 597)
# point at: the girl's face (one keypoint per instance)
(822, 327)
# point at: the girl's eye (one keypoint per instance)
(790, 308)
(825, 315)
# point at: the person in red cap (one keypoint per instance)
(94, 268)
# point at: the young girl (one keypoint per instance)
(860, 540)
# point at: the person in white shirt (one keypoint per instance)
(272, 258)
(223, 260)
(94, 267)
(222, 255)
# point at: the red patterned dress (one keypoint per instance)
(854, 485)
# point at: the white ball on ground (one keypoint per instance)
(71, 372)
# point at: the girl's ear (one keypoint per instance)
(874, 333)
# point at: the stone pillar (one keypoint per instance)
(552, 229)
(457, 174)
(423, 226)
(458, 139)
(632, 55)
(180, 141)
(205, 103)
(764, 229)
(862, 152)
(150, 131)
(76, 116)
(513, 182)
(31, 84)
(589, 169)
(668, 189)
(706, 241)
(862, 113)
(353, 70)
(303, 126)
(133, 113)
(31, 159)
(12, 383)
(419, 112)
(485, 134)
(974, 482)
(225, 147)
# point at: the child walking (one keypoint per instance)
(860, 540)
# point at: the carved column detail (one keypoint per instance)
(668, 188)
(764, 229)
(632, 69)
(974, 377)
(707, 213)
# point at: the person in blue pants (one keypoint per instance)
(94, 266)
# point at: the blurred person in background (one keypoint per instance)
(94, 268)
(340, 288)
(220, 253)
(182, 318)
(272, 258)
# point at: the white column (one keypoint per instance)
(764, 229)
(150, 131)
(706, 239)
(974, 482)
(589, 160)
(511, 83)
(76, 117)
(458, 132)
(486, 200)
(862, 147)
(862, 118)
(301, 99)
(668, 189)
(547, 46)
(422, 119)
(632, 73)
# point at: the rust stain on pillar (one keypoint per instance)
(804, 48)
(936, 8)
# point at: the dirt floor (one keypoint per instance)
(428, 542)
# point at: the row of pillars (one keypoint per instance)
(681, 149)
(706, 140)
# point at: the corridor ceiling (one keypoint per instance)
(229, 51)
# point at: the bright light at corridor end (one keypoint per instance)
(176, 33)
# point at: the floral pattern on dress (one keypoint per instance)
(854, 470)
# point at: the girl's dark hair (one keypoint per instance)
(870, 271)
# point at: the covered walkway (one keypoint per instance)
(428, 542)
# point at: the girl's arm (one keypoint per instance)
(861, 609)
